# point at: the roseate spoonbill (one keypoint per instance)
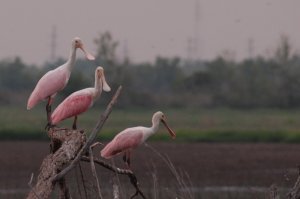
(55, 80)
(130, 138)
(80, 101)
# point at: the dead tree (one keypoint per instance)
(69, 147)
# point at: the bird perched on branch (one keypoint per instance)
(80, 101)
(130, 138)
(55, 80)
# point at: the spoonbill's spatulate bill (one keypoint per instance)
(130, 138)
(55, 80)
(80, 101)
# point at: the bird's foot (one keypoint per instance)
(49, 126)
(75, 123)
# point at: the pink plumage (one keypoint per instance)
(128, 139)
(52, 82)
(55, 80)
(80, 101)
(73, 105)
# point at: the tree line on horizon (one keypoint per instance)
(171, 82)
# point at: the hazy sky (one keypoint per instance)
(151, 28)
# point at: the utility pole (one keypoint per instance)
(126, 59)
(53, 44)
(250, 48)
(189, 49)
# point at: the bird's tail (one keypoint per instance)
(106, 152)
(32, 101)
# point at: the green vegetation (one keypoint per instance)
(258, 82)
(202, 125)
(259, 96)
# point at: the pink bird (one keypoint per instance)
(80, 101)
(55, 80)
(130, 138)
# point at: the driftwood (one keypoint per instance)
(68, 148)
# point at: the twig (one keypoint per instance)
(30, 185)
(77, 182)
(294, 193)
(116, 191)
(94, 169)
(179, 178)
(129, 173)
(91, 138)
(83, 183)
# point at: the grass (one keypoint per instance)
(206, 125)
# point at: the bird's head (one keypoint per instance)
(163, 120)
(100, 75)
(77, 43)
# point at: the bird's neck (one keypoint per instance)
(98, 87)
(147, 133)
(155, 125)
(72, 56)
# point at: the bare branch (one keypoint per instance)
(83, 181)
(129, 173)
(294, 193)
(30, 185)
(91, 138)
(94, 169)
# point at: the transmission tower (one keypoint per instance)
(196, 30)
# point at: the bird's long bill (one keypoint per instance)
(88, 55)
(104, 83)
(172, 133)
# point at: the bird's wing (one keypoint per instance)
(73, 105)
(127, 139)
(52, 82)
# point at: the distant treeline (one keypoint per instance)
(172, 82)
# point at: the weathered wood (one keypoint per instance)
(56, 162)
(129, 173)
(294, 193)
(67, 147)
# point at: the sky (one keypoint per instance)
(148, 28)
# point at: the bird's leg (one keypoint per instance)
(48, 110)
(74, 123)
(126, 158)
